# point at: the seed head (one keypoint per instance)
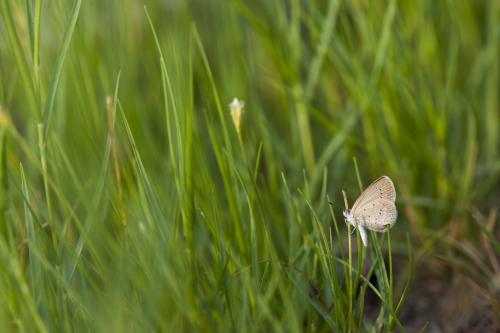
(236, 108)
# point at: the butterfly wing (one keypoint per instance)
(378, 214)
(375, 208)
(382, 188)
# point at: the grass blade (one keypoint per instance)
(56, 76)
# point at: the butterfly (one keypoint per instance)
(374, 209)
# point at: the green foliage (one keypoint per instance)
(129, 202)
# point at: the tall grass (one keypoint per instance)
(130, 203)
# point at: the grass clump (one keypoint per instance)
(130, 201)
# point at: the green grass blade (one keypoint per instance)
(19, 56)
(321, 50)
(61, 57)
(406, 290)
(96, 200)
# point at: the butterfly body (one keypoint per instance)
(375, 208)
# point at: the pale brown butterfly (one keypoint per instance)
(374, 209)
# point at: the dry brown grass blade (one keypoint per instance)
(490, 224)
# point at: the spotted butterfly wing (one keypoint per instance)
(382, 188)
(375, 208)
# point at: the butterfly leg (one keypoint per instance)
(363, 234)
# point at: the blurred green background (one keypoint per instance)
(130, 202)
